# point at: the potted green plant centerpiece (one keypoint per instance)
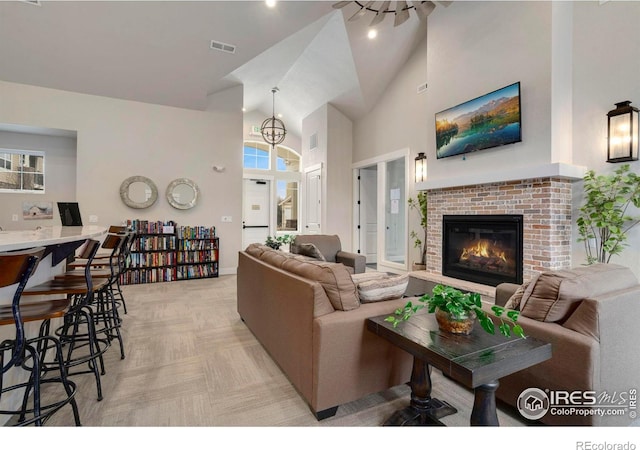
(275, 242)
(456, 312)
(420, 240)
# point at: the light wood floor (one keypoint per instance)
(190, 361)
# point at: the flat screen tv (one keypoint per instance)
(485, 122)
(69, 214)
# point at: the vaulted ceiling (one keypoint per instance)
(159, 52)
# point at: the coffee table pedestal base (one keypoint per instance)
(428, 415)
(422, 410)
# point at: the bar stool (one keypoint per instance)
(77, 334)
(107, 295)
(115, 260)
(17, 267)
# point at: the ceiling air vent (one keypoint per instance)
(227, 48)
(422, 88)
(32, 2)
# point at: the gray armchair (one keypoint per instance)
(331, 249)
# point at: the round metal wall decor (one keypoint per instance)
(149, 195)
(182, 193)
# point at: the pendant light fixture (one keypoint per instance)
(272, 129)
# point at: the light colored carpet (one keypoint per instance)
(191, 361)
(195, 373)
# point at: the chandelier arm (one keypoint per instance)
(363, 6)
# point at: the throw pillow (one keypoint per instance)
(334, 278)
(387, 288)
(553, 296)
(514, 300)
(307, 250)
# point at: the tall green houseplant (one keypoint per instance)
(420, 240)
(603, 222)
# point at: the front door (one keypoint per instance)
(255, 216)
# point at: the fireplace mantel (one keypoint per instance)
(553, 170)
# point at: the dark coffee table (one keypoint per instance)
(477, 361)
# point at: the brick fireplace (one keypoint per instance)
(544, 203)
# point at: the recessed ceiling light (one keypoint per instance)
(279, 116)
(270, 3)
(244, 109)
(372, 33)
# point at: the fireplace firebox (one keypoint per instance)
(484, 249)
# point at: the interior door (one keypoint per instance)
(256, 212)
(313, 201)
(369, 212)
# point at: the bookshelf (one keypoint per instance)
(163, 251)
(153, 253)
(197, 252)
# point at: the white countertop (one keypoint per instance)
(18, 240)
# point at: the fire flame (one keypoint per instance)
(484, 249)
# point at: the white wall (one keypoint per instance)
(475, 47)
(334, 152)
(339, 202)
(606, 58)
(60, 177)
(117, 139)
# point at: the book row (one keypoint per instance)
(150, 227)
(149, 243)
(189, 232)
(197, 257)
(149, 276)
(210, 244)
(137, 260)
(204, 271)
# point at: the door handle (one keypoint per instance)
(254, 226)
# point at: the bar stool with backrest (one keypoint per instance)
(116, 259)
(83, 349)
(107, 296)
(16, 268)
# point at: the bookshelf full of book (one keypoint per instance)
(163, 251)
(197, 252)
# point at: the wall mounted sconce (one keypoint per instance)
(421, 168)
(622, 133)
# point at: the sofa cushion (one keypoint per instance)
(256, 249)
(274, 257)
(383, 288)
(553, 296)
(334, 278)
(307, 249)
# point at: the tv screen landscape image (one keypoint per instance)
(488, 121)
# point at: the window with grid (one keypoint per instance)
(21, 171)
(256, 156)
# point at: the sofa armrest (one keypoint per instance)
(352, 362)
(504, 291)
(355, 260)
